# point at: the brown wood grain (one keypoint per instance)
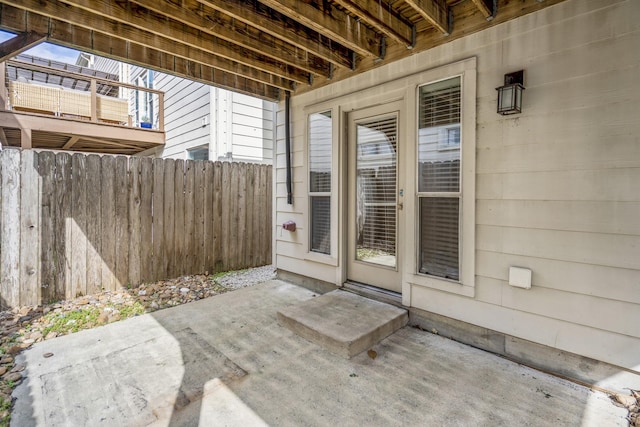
(47, 172)
(94, 224)
(108, 219)
(76, 225)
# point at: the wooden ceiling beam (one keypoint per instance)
(215, 23)
(274, 23)
(333, 22)
(380, 16)
(18, 20)
(3, 138)
(486, 7)
(434, 11)
(164, 26)
(70, 142)
(243, 64)
(19, 44)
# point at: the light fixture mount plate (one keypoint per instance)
(515, 77)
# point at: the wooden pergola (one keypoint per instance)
(262, 48)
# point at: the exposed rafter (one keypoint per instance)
(219, 24)
(274, 23)
(19, 44)
(381, 17)
(227, 59)
(434, 11)
(17, 20)
(70, 142)
(486, 7)
(258, 47)
(335, 23)
(133, 17)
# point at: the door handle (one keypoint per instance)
(400, 206)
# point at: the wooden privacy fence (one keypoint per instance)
(77, 224)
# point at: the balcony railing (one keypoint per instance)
(29, 88)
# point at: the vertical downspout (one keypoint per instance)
(287, 143)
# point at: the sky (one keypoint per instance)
(47, 50)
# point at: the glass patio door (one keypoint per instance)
(374, 193)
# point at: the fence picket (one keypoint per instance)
(189, 215)
(78, 224)
(10, 216)
(224, 224)
(47, 172)
(122, 221)
(62, 249)
(108, 220)
(250, 216)
(158, 202)
(29, 229)
(179, 234)
(198, 217)
(168, 248)
(135, 240)
(208, 248)
(146, 217)
(94, 224)
(217, 217)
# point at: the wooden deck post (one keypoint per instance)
(94, 101)
(3, 86)
(25, 138)
(161, 111)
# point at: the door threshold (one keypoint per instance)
(374, 293)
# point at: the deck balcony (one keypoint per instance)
(49, 105)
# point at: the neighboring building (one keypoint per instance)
(201, 122)
(48, 104)
(518, 233)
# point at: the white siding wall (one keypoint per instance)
(252, 128)
(105, 64)
(557, 186)
(197, 114)
(186, 105)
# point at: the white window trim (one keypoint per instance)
(187, 151)
(333, 257)
(411, 278)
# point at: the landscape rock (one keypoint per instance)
(13, 376)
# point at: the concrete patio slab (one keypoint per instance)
(344, 323)
(226, 361)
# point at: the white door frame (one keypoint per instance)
(386, 277)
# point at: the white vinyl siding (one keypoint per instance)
(555, 186)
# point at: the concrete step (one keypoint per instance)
(342, 322)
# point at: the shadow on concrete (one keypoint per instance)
(226, 361)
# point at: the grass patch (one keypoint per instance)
(86, 317)
(5, 412)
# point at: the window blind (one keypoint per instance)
(439, 172)
(376, 187)
(439, 237)
(321, 224)
(320, 146)
(440, 103)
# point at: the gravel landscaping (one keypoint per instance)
(23, 326)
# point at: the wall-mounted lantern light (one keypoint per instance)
(510, 95)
